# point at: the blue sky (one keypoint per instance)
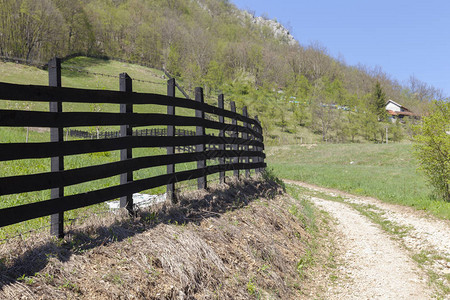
(404, 38)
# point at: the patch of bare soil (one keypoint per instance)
(378, 265)
(235, 241)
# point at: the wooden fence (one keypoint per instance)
(116, 134)
(240, 141)
(143, 132)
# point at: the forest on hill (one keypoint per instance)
(211, 43)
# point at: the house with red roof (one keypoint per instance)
(398, 111)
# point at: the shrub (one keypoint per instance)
(433, 148)
(269, 175)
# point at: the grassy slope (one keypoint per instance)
(388, 172)
(15, 73)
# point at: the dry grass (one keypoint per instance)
(235, 241)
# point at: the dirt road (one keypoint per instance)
(386, 251)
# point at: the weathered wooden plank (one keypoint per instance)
(37, 93)
(220, 104)
(234, 134)
(200, 131)
(48, 180)
(25, 212)
(170, 188)
(245, 136)
(126, 130)
(260, 148)
(56, 135)
(19, 118)
(12, 151)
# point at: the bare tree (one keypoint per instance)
(200, 47)
(422, 91)
(36, 24)
(318, 62)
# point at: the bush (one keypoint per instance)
(433, 148)
(395, 132)
(269, 175)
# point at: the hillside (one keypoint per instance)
(210, 43)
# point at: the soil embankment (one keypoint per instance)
(237, 241)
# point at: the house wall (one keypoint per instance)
(393, 107)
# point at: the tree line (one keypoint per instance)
(211, 43)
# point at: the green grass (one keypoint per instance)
(321, 248)
(387, 172)
(71, 77)
(297, 135)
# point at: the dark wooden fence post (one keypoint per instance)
(171, 133)
(262, 141)
(260, 159)
(126, 86)
(200, 131)
(56, 135)
(245, 136)
(221, 135)
(235, 135)
(255, 148)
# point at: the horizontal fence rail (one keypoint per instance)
(55, 94)
(25, 212)
(143, 132)
(13, 151)
(234, 142)
(116, 134)
(17, 118)
(42, 181)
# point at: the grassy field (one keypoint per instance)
(387, 172)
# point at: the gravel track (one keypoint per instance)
(378, 265)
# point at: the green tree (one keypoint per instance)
(322, 112)
(379, 102)
(301, 115)
(78, 32)
(353, 125)
(281, 119)
(432, 148)
(395, 132)
(215, 76)
(28, 27)
(353, 116)
(174, 61)
(369, 125)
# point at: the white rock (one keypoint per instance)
(139, 201)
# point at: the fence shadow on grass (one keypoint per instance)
(193, 207)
